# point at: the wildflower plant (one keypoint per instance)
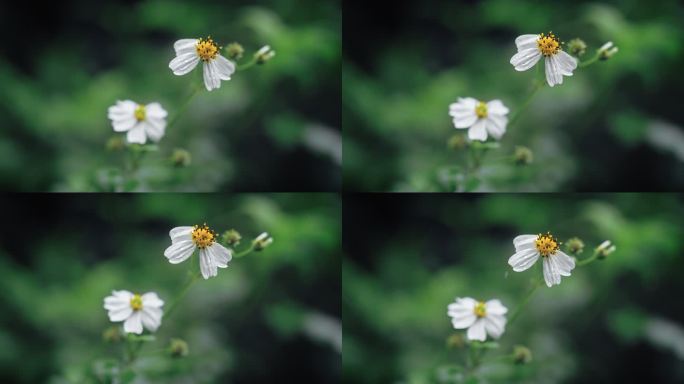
(145, 125)
(141, 315)
(486, 321)
(554, 61)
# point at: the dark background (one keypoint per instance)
(408, 256)
(613, 126)
(271, 128)
(262, 319)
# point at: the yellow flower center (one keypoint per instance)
(140, 112)
(546, 244)
(481, 109)
(548, 44)
(207, 49)
(480, 309)
(136, 302)
(203, 236)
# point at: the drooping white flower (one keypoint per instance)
(140, 121)
(189, 52)
(557, 62)
(528, 248)
(212, 255)
(480, 117)
(481, 318)
(135, 310)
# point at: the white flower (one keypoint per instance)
(135, 310)
(531, 48)
(480, 117)
(478, 317)
(212, 255)
(264, 54)
(189, 52)
(605, 249)
(607, 51)
(141, 121)
(528, 248)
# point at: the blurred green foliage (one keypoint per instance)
(404, 65)
(278, 308)
(615, 320)
(272, 127)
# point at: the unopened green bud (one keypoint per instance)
(522, 354)
(522, 155)
(231, 237)
(178, 348)
(264, 54)
(262, 241)
(234, 51)
(112, 334)
(115, 144)
(607, 51)
(456, 341)
(457, 142)
(577, 47)
(575, 246)
(181, 158)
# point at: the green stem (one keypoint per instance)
(524, 302)
(184, 105)
(589, 62)
(245, 252)
(588, 260)
(247, 66)
(194, 276)
(537, 86)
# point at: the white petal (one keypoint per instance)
(155, 110)
(133, 324)
(207, 266)
(524, 241)
(477, 330)
(179, 251)
(566, 63)
(564, 263)
(137, 135)
(478, 131)
(122, 125)
(552, 75)
(150, 299)
(182, 64)
(526, 41)
(525, 59)
(154, 128)
(495, 307)
(116, 302)
(495, 325)
(220, 254)
(496, 107)
(224, 67)
(185, 45)
(496, 125)
(464, 321)
(523, 259)
(210, 82)
(466, 121)
(120, 314)
(123, 108)
(550, 276)
(151, 318)
(466, 303)
(181, 233)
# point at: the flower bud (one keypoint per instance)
(234, 51)
(178, 348)
(181, 158)
(575, 246)
(231, 237)
(115, 144)
(262, 241)
(605, 249)
(607, 51)
(577, 47)
(522, 354)
(112, 334)
(264, 54)
(457, 142)
(455, 341)
(522, 155)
